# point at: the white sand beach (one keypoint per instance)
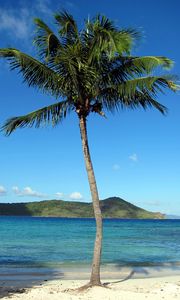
(154, 288)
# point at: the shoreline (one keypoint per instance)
(156, 288)
(27, 277)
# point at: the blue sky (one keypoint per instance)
(136, 154)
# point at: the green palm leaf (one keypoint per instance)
(45, 40)
(68, 26)
(50, 114)
(34, 72)
(139, 100)
(149, 84)
(103, 36)
(149, 63)
(123, 68)
(143, 65)
(136, 92)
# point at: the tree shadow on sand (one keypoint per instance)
(14, 280)
(145, 270)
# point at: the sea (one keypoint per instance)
(44, 248)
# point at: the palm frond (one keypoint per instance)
(149, 84)
(123, 41)
(149, 63)
(139, 92)
(45, 40)
(72, 66)
(102, 36)
(144, 100)
(123, 68)
(142, 65)
(50, 114)
(68, 26)
(34, 72)
(147, 101)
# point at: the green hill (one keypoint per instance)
(111, 208)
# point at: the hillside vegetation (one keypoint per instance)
(111, 208)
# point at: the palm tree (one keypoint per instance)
(89, 71)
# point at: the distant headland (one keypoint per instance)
(113, 207)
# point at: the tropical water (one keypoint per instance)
(48, 245)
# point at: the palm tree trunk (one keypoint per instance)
(95, 273)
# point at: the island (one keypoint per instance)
(113, 207)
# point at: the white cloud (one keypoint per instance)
(2, 190)
(43, 6)
(27, 191)
(116, 167)
(16, 22)
(75, 196)
(59, 195)
(133, 157)
(16, 190)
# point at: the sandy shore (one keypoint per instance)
(165, 288)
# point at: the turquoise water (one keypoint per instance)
(46, 244)
(52, 241)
